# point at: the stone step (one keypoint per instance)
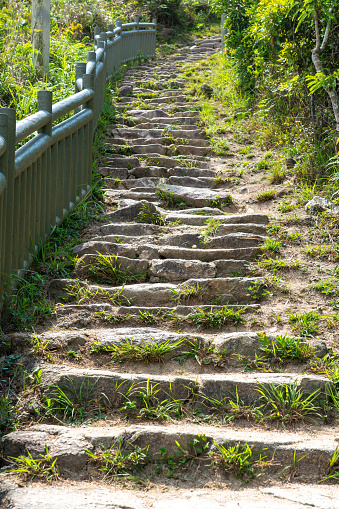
(200, 220)
(190, 196)
(177, 171)
(227, 290)
(155, 141)
(81, 494)
(69, 446)
(134, 133)
(172, 270)
(149, 251)
(211, 386)
(239, 343)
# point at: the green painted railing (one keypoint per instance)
(42, 181)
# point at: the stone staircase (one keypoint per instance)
(167, 274)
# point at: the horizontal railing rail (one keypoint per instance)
(42, 181)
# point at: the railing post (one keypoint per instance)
(8, 168)
(88, 81)
(223, 32)
(3, 204)
(97, 31)
(80, 70)
(118, 24)
(48, 177)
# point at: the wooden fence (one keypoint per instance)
(43, 180)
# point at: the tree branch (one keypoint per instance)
(327, 33)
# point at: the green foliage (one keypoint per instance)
(107, 269)
(8, 415)
(75, 401)
(185, 293)
(147, 215)
(145, 351)
(119, 462)
(266, 195)
(42, 468)
(284, 348)
(305, 324)
(288, 403)
(237, 459)
(209, 318)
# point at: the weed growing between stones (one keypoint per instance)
(145, 351)
(75, 402)
(80, 292)
(8, 415)
(166, 195)
(206, 319)
(289, 404)
(277, 264)
(119, 463)
(285, 349)
(185, 293)
(305, 324)
(42, 468)
(148, 215)
(107, 269)
(209, 230)
(266, 195)
(237, 459)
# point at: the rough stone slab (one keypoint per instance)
(67, 497)
(137, 229)
(120, 162)
(235, 240)
(120, 173)
(105, 248)
(180, 171)
(124, 239)
(192, 181)
(181, 270)
(180, 310)
(130, 213)
(217, 386)
(170, 162)
(320, 496)
(156, 133)
(196, 197)
(198, 220)
(181, 240)
(132, 265)
(209, 255)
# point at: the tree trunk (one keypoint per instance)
(41, 30)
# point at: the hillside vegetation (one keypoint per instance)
(72, 27)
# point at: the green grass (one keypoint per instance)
(329, 286)
(185, 293)
(237, 459)
(272, 245)
(167, 196)
(43, 468)
(75, 401)
(119, 461)
(9, 413)
(81, 294)
(145, 351)
(150, 216)
(108, 269)
(265, 196)
(209, 229)
(288, 403)
(278, 264)
(207, 319)
(285, 349)
(305, 324)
